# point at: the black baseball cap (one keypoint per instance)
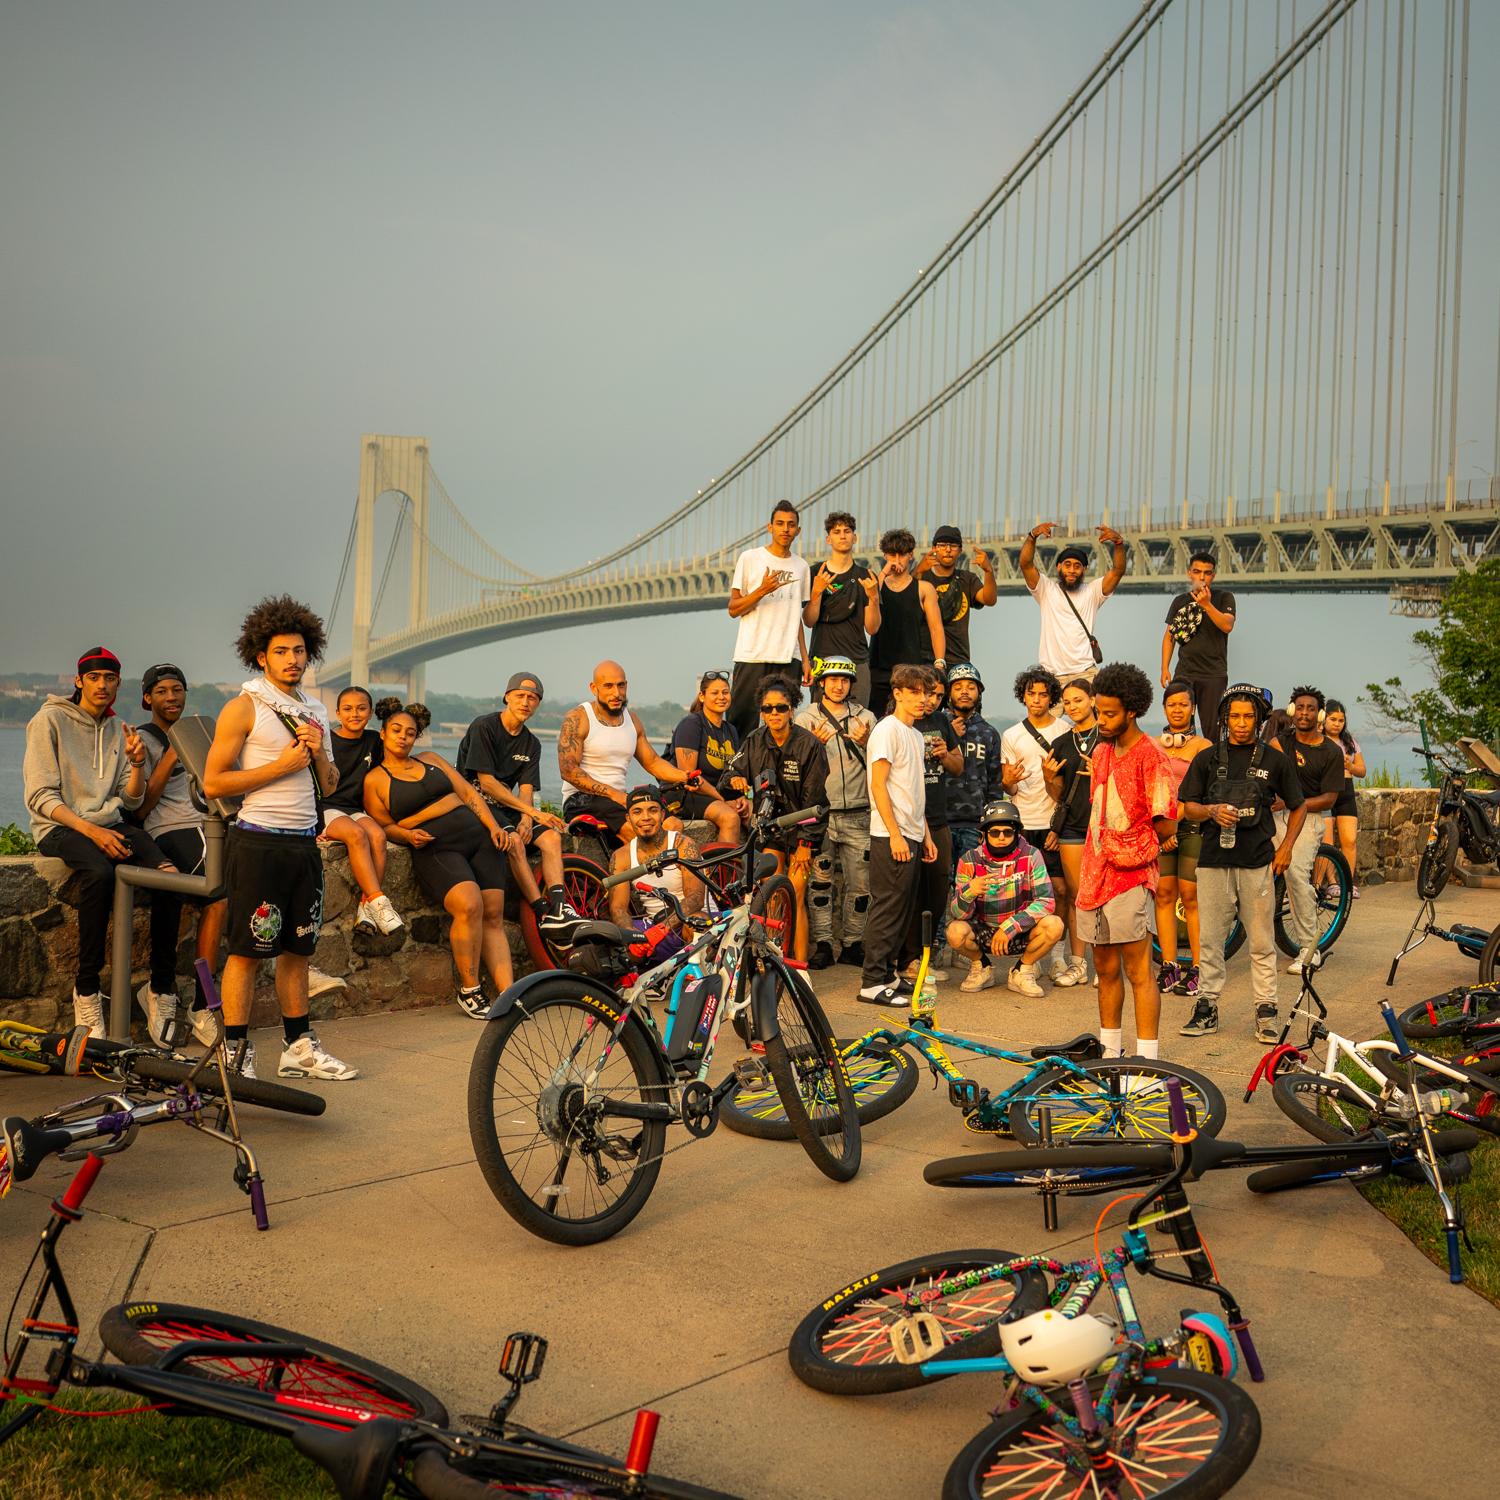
(644, 794)
(948, 534)
(152, 675)
(528, 680)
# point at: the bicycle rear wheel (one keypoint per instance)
(1328, 1109)
(1435, 868)
(559, 1161)
(1466, 1011)
(883, 1079)
(1330, 915)
(167, 1071)
(438, 1475)
(1172, 1432)
(811, 1078)
(1114, 1099)
(140, 1333)
(583, 882)
(843, 1345)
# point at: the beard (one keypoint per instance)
(1072, 587)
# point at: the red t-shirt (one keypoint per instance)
(1121, 850)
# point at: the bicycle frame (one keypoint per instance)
(1469, 940)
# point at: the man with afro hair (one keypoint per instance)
(1133, 808)
(271, 750)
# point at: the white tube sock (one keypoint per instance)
(1113, 1041)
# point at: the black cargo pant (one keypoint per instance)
(97, 893)
(893, 899)
(744, 689)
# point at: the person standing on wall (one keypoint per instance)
(770, 588)
(844, 610)
(911, 628)
(1198, 625)
(959, 590)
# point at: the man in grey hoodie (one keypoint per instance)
(84, 769)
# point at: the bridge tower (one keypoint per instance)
(388, 465)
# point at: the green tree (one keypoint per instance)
(1463, 655)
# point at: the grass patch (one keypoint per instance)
(150, 1457)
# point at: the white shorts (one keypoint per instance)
(1126, 918)
(332, 813)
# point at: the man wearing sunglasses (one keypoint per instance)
(794, 761)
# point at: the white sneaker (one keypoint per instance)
(88, 1010)
(247, 1062)
(1022, 979)
(161, 1014)
(1295, 967)
(472, 1002)
(205, 1033)
(383, 914)
(364, 919)
(980, 977)
(1075, 972)
(306, 1059)
(319, 983)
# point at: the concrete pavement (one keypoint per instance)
(385, 1239)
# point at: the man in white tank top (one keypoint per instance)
(646, 838)
(271, 750)
(595, 746)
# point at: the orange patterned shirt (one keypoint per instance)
(1121, 850)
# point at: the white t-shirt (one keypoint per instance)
(769, 631)
(902, 746)
(1064, 647)
(1030, 794)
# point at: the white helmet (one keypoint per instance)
(1045, 1348)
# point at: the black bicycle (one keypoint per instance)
(1464, 819)
(369, 1427)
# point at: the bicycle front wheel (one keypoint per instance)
(843, 1346)
(1172, 1432)
(1466, 1011)
(168, 1071)
(438, 1475)
(1328, 1109)
(563, 1162)
(140, 1333)
(775, 904)
(1330, 914)
(1435, 868)
(811, 1078)
(1115, 1099)
(883, 1079)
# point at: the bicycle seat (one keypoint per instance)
(27, 1146)
(588, 930)
(1083, 1048)
(1492, 798)
(359, 1460)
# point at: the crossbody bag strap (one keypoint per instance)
(1067, 599)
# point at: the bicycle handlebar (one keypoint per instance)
(633, 873)
(802, 815)
(83, 1180)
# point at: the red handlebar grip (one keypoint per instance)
(642, 1441)
(82, 1181)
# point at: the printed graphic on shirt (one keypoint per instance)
(265, 922)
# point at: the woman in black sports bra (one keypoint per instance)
(457, 847)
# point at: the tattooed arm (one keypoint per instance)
(570, 737)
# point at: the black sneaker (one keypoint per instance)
(822, 957)
(1204, 1020)
(1188, 984)
(559, 926)
(1167, 976)
(1267, 1027)
(853, 955)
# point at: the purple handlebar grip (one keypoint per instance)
(258, 1203)
(1177, 1106)
(1247, 1348)
(206, 979)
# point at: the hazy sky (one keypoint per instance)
(590, 251)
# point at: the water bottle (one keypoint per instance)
(1433, 1102)
(1228, 835)
(927, 996)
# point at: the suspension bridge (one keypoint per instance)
(1221, 300)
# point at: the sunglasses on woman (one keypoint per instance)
(714, 676)
(776, 708)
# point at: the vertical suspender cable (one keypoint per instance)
(1440, 309)
(1411, 135)
(1458, 242)
(1390, 341)
(1187, 454)
(1175, 499)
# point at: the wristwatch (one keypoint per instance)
(940, 662)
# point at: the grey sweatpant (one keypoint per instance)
(1301, 897)
(846, 847)
(1250, 895)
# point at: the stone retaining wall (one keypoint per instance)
(39, 932)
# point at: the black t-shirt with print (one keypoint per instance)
(840, 628)
(355, 759)
(1255, 841)
(1206, 652)
(715, 746)
(512, 759)
(931, 728)
(956, 596)
(1077, 774)
(1320, 768)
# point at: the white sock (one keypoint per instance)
(1148, 1046)
(1112, 1040)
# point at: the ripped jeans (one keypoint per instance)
(846, 847)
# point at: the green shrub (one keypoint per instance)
(15, 840)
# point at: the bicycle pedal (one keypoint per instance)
(967, 1095)
(752, 1072)
(916, 1338)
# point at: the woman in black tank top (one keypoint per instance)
(457, 847)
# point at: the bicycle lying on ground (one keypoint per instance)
(367, 1426)
(572, 1086)
(1471, 941)
(1092, 1405)
(1086, 1096)
(1468, 1011)
(149, 1088)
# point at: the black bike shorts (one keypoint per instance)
(275, 889)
